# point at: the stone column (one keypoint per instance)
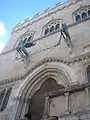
(25, 108)
(67, 102)
(22, 102)
(47, 107)
(87, 98)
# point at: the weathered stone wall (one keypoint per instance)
(77, 103)
(37, 53)
(14, 73)
(57, 106)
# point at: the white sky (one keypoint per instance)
(1, 46)
(2, 34)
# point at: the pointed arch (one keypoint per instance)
(51, 25)
(33, 82)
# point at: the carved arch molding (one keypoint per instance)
(44, 79)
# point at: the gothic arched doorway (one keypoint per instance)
(38, 99)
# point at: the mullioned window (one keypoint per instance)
(81, 14)
(52, 26)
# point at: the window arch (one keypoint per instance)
(26, 37)
(51, 29)
(82, 13)
(89, 13)
(25, 40)
(46, 31)
(84, 16)
(78, 18)
(6, 98)
(57, 26)
(29, 38)
(52, 26)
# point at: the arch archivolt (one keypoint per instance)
(56, 71)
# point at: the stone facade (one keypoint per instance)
(54, 80)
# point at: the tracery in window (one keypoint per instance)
(52, 26)
(82, 13)
(57, 26)
(26, 38)
(84, 16)
(29, 38)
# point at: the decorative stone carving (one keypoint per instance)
(47, 107)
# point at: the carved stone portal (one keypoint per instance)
(38, 107)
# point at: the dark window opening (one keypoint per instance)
(84, 16)
(57, 26)
(78, 18)
(46, 31)
(89, 13)
(29, 39)
(25, 40)
(5, 101)
(2, 96)
(52, 29)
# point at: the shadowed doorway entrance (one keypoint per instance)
(38, 99)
